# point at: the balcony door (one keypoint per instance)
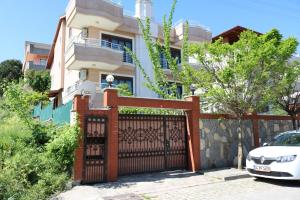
(119, 42)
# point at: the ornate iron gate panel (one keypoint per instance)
(95, 150)
(149, 143)
(176, 142)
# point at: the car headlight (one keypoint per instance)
(249, 157)
(286, 158)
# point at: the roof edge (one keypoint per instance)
(232, 30)
(51, 53)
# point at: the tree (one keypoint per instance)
(10, 70)
(124, 90)
(160, 84)
(287, 94)
(238, 78)
(39, 81)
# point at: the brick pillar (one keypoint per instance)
(193, 134)
(255, 130)
(111, 100)
(81, 106)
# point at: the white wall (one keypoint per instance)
(71, 77)
(143, 56)
(55, 71)
(143, 9)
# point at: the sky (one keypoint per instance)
(36, 20)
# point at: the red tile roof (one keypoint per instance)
(232, 35)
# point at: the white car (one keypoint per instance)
(278, 159)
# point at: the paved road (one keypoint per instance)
(243, 189)
(177, 186)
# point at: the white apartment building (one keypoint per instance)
(89, 44)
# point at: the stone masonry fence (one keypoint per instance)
(219, 142)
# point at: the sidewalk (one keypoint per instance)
(148, 186)
(226, 174)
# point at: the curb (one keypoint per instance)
(223, 176)
(231, 178)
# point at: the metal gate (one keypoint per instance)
(94, 170)
(149, 143)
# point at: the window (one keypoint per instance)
(175, 53)
(118, 80)
(288, 139)
(43, 62)
(179, 91)
(118, 41)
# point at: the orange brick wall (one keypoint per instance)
(113, 101)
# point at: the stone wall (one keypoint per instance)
(268, 129)
(219, 139)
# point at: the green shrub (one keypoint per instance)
(36, 159)
(124, 90)
(150, 111)
(34, 171)
(61, 147)
(41, 133)
(19, 173)
(20, 100)
(49, 185)
(13, 137)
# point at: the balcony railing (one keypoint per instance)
(34, 66)
(192, 24)
(97, 43)
(107, 44)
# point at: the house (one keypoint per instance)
(36, 56)
(232, 35)
(89, 45)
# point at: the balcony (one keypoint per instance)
(91, 88)
(105, 14)
(97, 54)
(197, 32)
(33, 66)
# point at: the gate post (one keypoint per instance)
(193, 134)
(80, 105)
(111, 101)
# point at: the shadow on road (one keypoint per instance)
(283, 183)
(127, 181)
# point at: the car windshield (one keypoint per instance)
(287, 139)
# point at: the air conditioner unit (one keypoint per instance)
(83, 74)
(85, 33)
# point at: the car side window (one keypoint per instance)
(295, 140)
(292, 139)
